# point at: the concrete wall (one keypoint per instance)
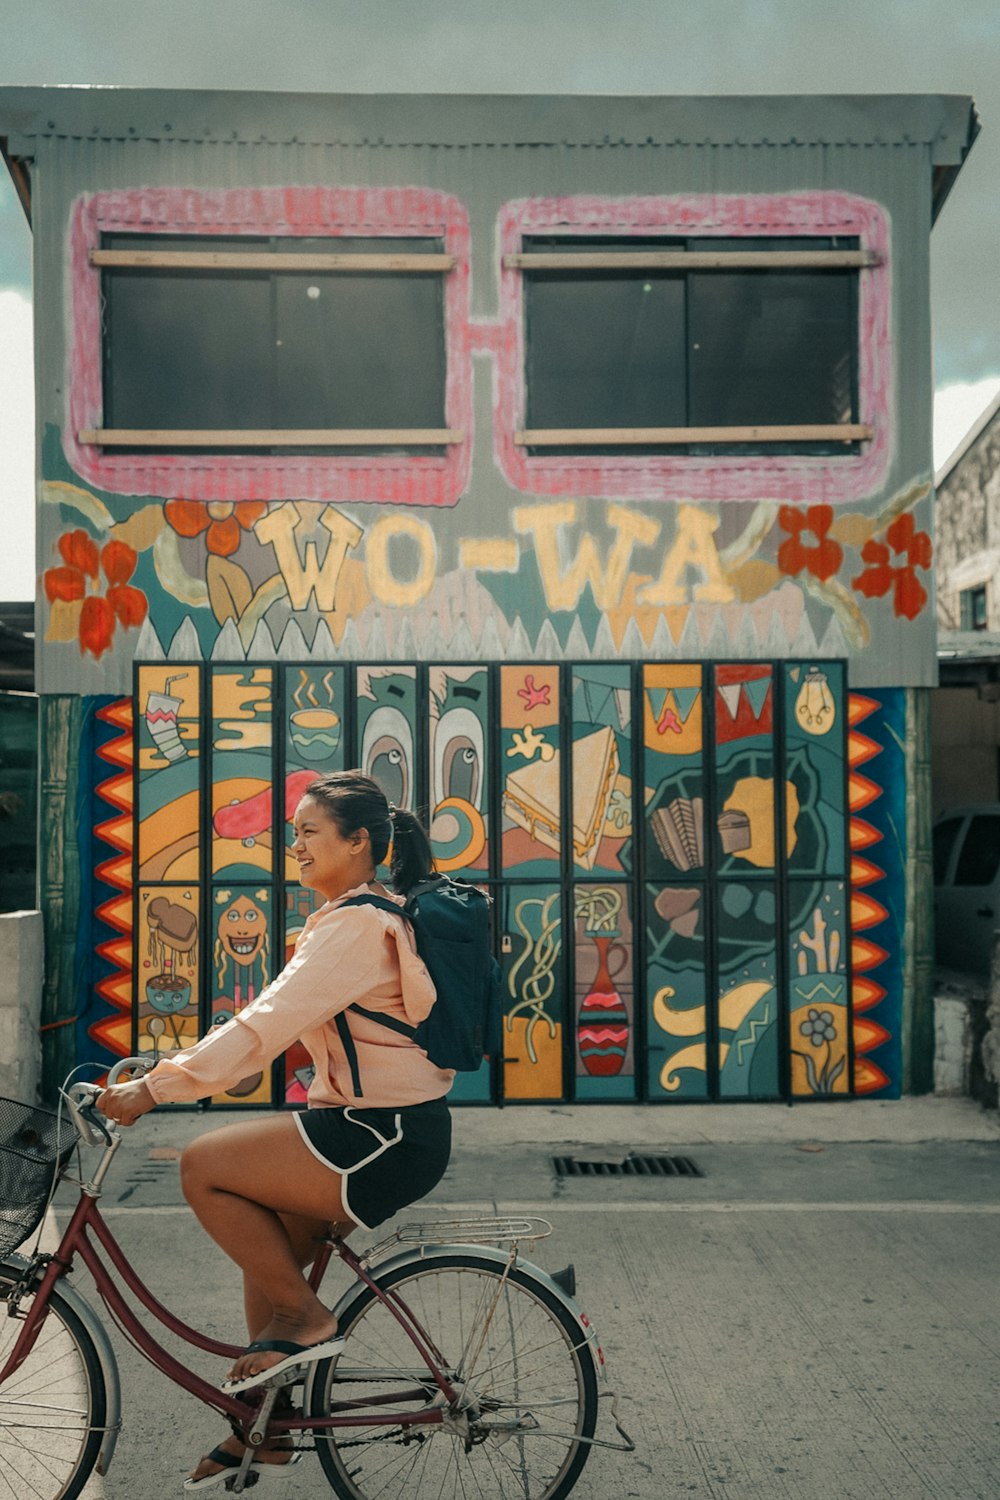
(965, 747)
(20, 1004)
(967, 520)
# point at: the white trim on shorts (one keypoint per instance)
(344, 1173)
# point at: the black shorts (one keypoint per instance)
(386, 1158)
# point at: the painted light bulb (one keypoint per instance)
(815, 710)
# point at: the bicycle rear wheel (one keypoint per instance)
(522, 1364)
(52, 1408)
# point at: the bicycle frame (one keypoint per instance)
(242, 1414)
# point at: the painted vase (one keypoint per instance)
(602, 1026)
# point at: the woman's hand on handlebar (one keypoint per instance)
(126, 1102)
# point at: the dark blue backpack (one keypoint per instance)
(451, 925)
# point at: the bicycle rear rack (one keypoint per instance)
(509, 1229)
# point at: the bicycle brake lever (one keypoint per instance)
(81, 1099)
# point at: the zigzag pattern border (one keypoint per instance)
(867, 912)
(114, 1032)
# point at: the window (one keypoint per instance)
(972, 604)
(980, 855)
(643, 345)
(284, 343)
(252, 342)
(945, 835)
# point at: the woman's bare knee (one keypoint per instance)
(200, 1162)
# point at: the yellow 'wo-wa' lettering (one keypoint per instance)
(693, 547)
(305, 575)
(564, 577)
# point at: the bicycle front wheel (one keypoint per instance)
(522, 1366)
(52, 1408)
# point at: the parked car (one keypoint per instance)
(967, 886)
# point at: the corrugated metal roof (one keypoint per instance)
(946, 123)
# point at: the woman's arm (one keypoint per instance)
(333, 966)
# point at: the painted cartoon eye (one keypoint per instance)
(232, 916)
(459, 757)
(387, 753)
(250, 916)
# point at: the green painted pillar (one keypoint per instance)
(60, 720)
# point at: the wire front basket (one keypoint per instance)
(35, 1146)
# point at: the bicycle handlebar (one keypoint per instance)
(81, 1099)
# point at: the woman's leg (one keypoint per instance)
(303, 1233)
(241, 1181)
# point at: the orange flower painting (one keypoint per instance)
(77, 583)
(223, 521)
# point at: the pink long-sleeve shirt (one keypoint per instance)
(358, 955)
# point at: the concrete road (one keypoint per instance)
(816, 1317)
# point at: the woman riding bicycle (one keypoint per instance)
(267, 1189)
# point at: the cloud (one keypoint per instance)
(17, 448)
(957, 408)
(15, 238)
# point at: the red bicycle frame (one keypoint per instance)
(76, 1241)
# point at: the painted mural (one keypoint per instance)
(541, 557)
(760, 955)
(616, 682)
(877, 788)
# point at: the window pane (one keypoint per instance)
(814, 768)
(532, 786)
(944, 841)
(980, 856)
(604, 1040)
(673, 770)
(744, 763)
(602, 767)
(460, 745)
(771, 347)
(186, 348)
(605, 349)
(242, 772)
(360, 351)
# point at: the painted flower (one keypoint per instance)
(77, 583)
(914, 549)
(224, 521)
(819, 1027)
(821, 559)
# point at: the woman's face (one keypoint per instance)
(329, 862)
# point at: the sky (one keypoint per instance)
(526, 46)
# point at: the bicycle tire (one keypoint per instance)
(536, 1359)
(52, 1408)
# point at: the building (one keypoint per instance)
(564, 461)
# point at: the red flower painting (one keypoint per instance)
(913, 550)
(77, 582)
(822, 556)
(223, 521)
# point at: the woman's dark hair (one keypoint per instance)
(355, 801)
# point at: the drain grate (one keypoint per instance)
(631, 1165)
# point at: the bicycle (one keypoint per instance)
(466, 1369)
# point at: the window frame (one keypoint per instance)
(397, 477)
(717, 475)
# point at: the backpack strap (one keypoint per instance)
(383, 904)
(340, 1019)
(347, 1042)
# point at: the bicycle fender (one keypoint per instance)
(105, 1355)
